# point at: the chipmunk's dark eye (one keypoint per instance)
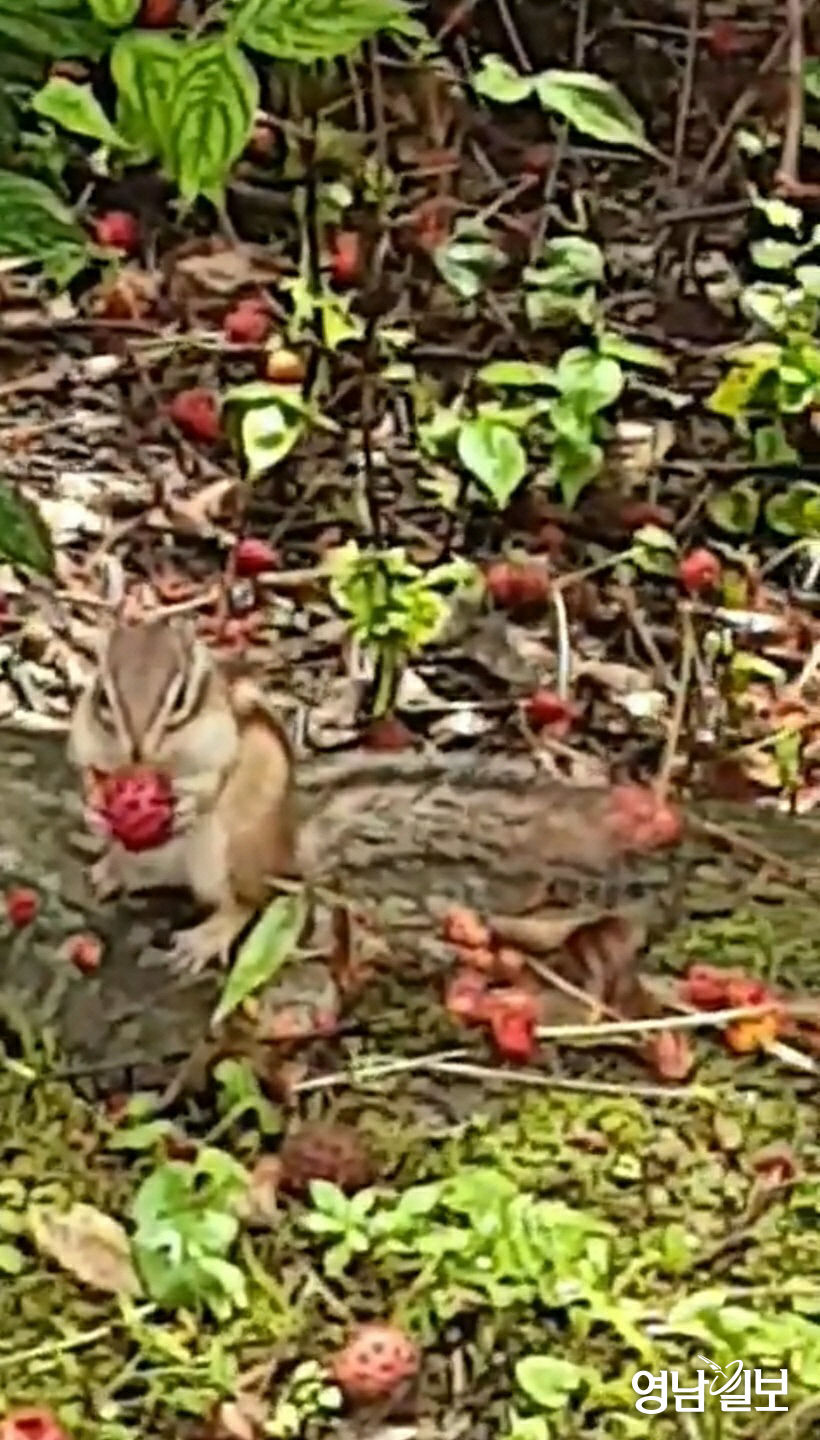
(187, 701)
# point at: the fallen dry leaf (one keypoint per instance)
(670, 1054)
(89, 1244)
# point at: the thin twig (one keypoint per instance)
(681, 695)
(563, 646)
(511, 31)
(742, 105)
(560, 151)
(694, 1020)
(686, 89)
(787, 175)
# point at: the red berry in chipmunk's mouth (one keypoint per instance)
(136, 807)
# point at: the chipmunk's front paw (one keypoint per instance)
(194, 949)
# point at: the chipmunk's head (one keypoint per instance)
(156, 699)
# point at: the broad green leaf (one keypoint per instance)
(495, 455)
(736, 391)
(268, 947)
(115, 13)
(25, 538)
(654, 551)
(548, 1380)
(268, 435)
(311, 30)
(498, 80)
(524, 373)
(779, 213)
(36, 225)
(145, 69)
(772, 254)
(89, 1244)
(736, 509)
(76, 108)
(772, 448)
(568, 262)
(633, 353)
(795, 511)
(808, 277)
(51, 29)
(594, 381)
(593, 105)
(573, 467)
(214, 101)
(468, 259)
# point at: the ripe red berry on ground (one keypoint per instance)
(377, 1359)
(158, 13)
(253, 556)
(249, 322)
(31, 1424)
(640, 821)
(514, 586)
(137, 808)
(196, 412)
(699, 572)
(346, 257)
(22, 905)
(119, 230)
(84, 952)
(545, 710)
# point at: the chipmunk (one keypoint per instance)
(158, 698)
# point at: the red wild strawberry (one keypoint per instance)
(137, 808)
(513, 1014)
(547, 711)
(31, 1424)
(118, 230)
(699, 571)
(196, 412)
(84, 952)
(705, 987)
(22, 905)
(158, 13)
(249, 322)
(346, 257)
(253, 556)
(376, 1360)
(514, 586)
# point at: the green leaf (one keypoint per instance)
(115, 13)
(268, 434)
(795, 511)
(654, 551)
(495, 455)
(548, 1380)
(593, 105)
(524, 373)
(51, 29)
(36, 225)
(212, 111)
(771, 446)
(772, 254)
(736, 509)
(633, 353)
(569, 261)
(468, 258)
(76, 108)
(736, 391)
(594, 381)
(498, 80)
(311, 30)
(573, 466)
(145, 69)
(779, 213)
(25, 538)
(811, 77)
(268, 947)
